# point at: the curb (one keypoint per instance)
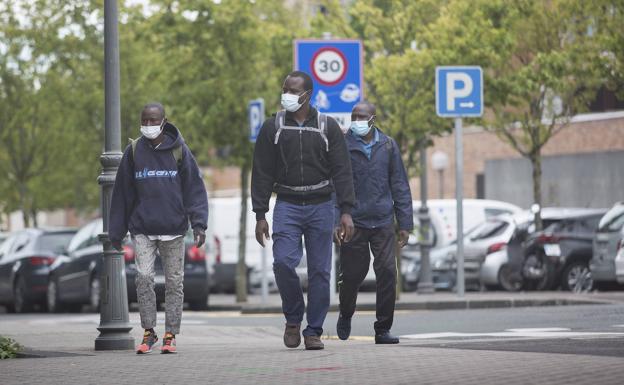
(440, 305)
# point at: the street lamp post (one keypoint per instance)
(425, 283)
(114, 321)
(439, 163)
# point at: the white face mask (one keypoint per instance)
(290, 102)
(152, 132)
(361, 127)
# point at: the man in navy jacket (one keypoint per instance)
(382, 194)
(158, 191)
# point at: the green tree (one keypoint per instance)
(48, 54)
(535, 56)
(220, 57)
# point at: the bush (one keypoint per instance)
(8, 348)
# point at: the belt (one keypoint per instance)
(306, 188)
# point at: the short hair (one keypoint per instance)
(156, 105)
(369, 105)
(307, 80)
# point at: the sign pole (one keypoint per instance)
(459, 196)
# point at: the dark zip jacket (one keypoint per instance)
(382, 190)
(300, 158)
(154, 194)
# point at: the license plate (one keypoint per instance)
(159, 280)
(552, 250)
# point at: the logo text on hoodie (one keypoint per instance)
(147, 173)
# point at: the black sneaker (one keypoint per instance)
(386, 338)
(343, 327)
(149, 339)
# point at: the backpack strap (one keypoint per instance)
(279, 124)
(322, 122)
(177, 152)
(177, 155)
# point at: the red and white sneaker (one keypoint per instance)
(169, 344)
(149, 339)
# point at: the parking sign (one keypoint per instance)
(255, 111)
(336, 70)
(459, 91)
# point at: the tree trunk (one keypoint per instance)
(536, 164)
(23, 204)
(241, 268)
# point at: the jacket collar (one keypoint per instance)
(354, 144)
(311, 118)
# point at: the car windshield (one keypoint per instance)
(613, 219)
(488, 229)
(56, 242)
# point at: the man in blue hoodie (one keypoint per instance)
(158, 191)
(382, 193)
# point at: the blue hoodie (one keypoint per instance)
(155, 196)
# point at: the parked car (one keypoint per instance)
(566, 249)
(514, 267)
(442, 237)
(75, 276)
(605, 246)
(25, 259)
(619, 264)
(3, 237)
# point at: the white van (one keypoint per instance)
(224, 218)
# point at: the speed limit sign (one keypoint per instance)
(335, 67)
(329, 66)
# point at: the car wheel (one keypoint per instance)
(509, 279)
(94, 294)
(21, 303)
(54, 306)
(577, 278)
(201, 304)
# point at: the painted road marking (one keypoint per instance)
(516, 333)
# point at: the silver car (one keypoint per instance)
(606, 240)
(486, 238)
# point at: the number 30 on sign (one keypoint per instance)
(329, 66)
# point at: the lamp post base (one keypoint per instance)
(114, 338)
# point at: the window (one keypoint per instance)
(55, 242)
(6, 246)
(490, 212)
(21, 241)
(612, 220)
(82, 237)
(489, 229)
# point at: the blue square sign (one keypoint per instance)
(255, 112)
(459, 91)
(336, 70)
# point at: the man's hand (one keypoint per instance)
(117, 245)
(403, 237)
(337, 235)
(262, 231)
(199, 235)
(346, 228)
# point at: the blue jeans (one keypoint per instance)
(315, 224)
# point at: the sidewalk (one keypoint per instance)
(435, 301)
(228, 354)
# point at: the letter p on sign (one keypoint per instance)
(459, 91)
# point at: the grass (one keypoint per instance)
(8, 348)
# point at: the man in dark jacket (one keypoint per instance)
(302, 156)
(158, 191)
(382, 193)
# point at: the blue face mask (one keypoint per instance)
(360, 127)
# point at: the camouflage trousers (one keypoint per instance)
(172, 258)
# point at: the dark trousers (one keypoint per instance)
(354, 263)
(315, 224)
